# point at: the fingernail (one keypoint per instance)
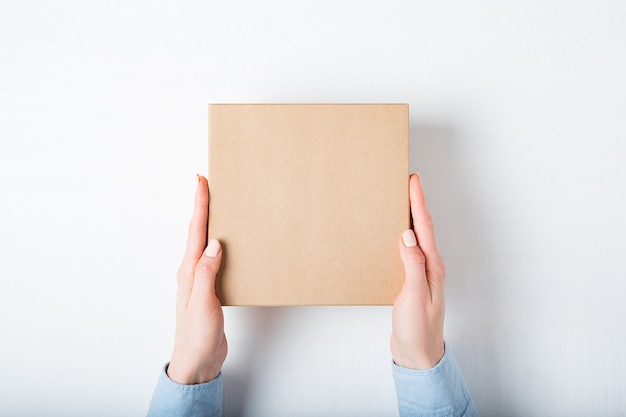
(198, 175)
(212, 249)
(418, 176)
(408, 237)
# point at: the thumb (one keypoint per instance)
(206, 269)
(414, 262)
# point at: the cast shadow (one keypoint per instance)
(261, 326)
(472, 303)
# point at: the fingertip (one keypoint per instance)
(213, 248)
(409, 239)
(202, 191)
(409, 248)
(201, 180)
(415, 183)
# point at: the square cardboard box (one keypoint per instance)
(309, 202)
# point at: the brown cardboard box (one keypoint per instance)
(309, 202)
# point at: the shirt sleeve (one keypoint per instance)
(173, 399)
(436, 392)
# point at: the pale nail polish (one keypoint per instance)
(408, 237)
(212, 249)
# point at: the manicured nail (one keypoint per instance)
(408, 237)
(212, 249)
(418, 176)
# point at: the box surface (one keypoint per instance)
(309, 202)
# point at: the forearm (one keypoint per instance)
(199, 400)
(439, 391)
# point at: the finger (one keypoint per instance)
(414, 265)
(206, 271)
(422, 222)
(196, 241)
(197, 235)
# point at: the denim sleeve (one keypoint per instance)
(172, 399)
(435, 392)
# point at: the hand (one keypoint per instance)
(200, 347)
(418, 312)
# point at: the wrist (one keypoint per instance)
(190, 374)
(191, 377)
(419, 360)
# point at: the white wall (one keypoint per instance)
(518, 127)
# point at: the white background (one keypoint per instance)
(518, 127)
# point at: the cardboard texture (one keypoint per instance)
(309, 202)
